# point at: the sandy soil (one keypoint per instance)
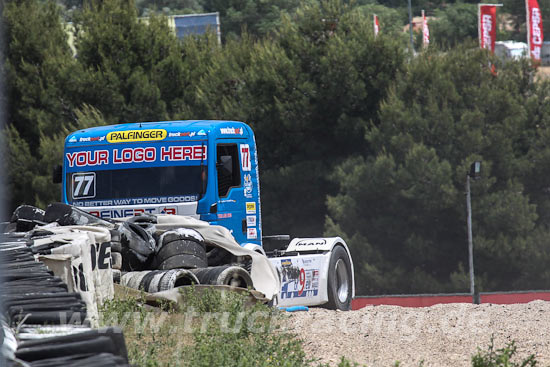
(441, 335)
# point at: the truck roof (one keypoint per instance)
(175, 130)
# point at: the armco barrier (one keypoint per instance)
(426, 300)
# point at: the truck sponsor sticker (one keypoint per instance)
(231, 130)
(171, 153)
(136, 135)
(138, 201)
(245, 157)
(251, 221)
(91, 139)
(286, 262)
(312, 242)
(251, 233)
(248, 186)
(251, 208)
(299, 279)
(182, 134)
(130, 212)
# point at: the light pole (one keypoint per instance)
(410, 27)
(475, 173)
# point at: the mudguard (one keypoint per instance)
(303, 269)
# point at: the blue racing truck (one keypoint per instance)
(207, 170)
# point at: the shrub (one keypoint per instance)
(501, 357)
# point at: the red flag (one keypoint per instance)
(535, 35)
(487, 26)
(376, 25)
(425, 30)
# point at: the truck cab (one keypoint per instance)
(204, 169)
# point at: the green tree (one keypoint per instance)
(403, 209)
(454, 25)
(39, 68)
(308, 93)
(120, 55)
(259, 18)
(40, 75)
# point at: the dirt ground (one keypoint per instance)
(441, 335)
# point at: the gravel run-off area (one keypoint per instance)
(440, 335)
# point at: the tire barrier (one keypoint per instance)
(68, 215)
(82, 360)
(79, 255)
(117, 274)
(146, 221)
(217, 256)
(181, 248)
(26, 217)
(92, 342)
(116, 260)
(153, 281)
(33, 297)
(234, 276)
(33, 294)
(138, 247)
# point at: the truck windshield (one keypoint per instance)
(150, 185)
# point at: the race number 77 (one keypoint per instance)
(83, 185)
(245, 157)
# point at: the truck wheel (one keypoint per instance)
(339, 280)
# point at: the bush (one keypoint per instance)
(234, 334)
(501, 357)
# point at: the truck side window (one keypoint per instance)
(228, 167)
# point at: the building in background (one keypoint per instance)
(511, 50)
(190, 24)
(185, 25)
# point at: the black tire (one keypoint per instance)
(175, 278)
(182, 262)
(104, 340)
(145, 283)
(27, 217)
(116, 246)
(339, 280)
(133, 279)
(181, 247)
(137, 247)
(217, 256)
(180, 234)
(224, 275)
(116, 260)
(116, 276)
(138, 239)
(143, 218)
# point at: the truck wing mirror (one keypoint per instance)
(57, 174)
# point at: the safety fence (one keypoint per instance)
(426, 300)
